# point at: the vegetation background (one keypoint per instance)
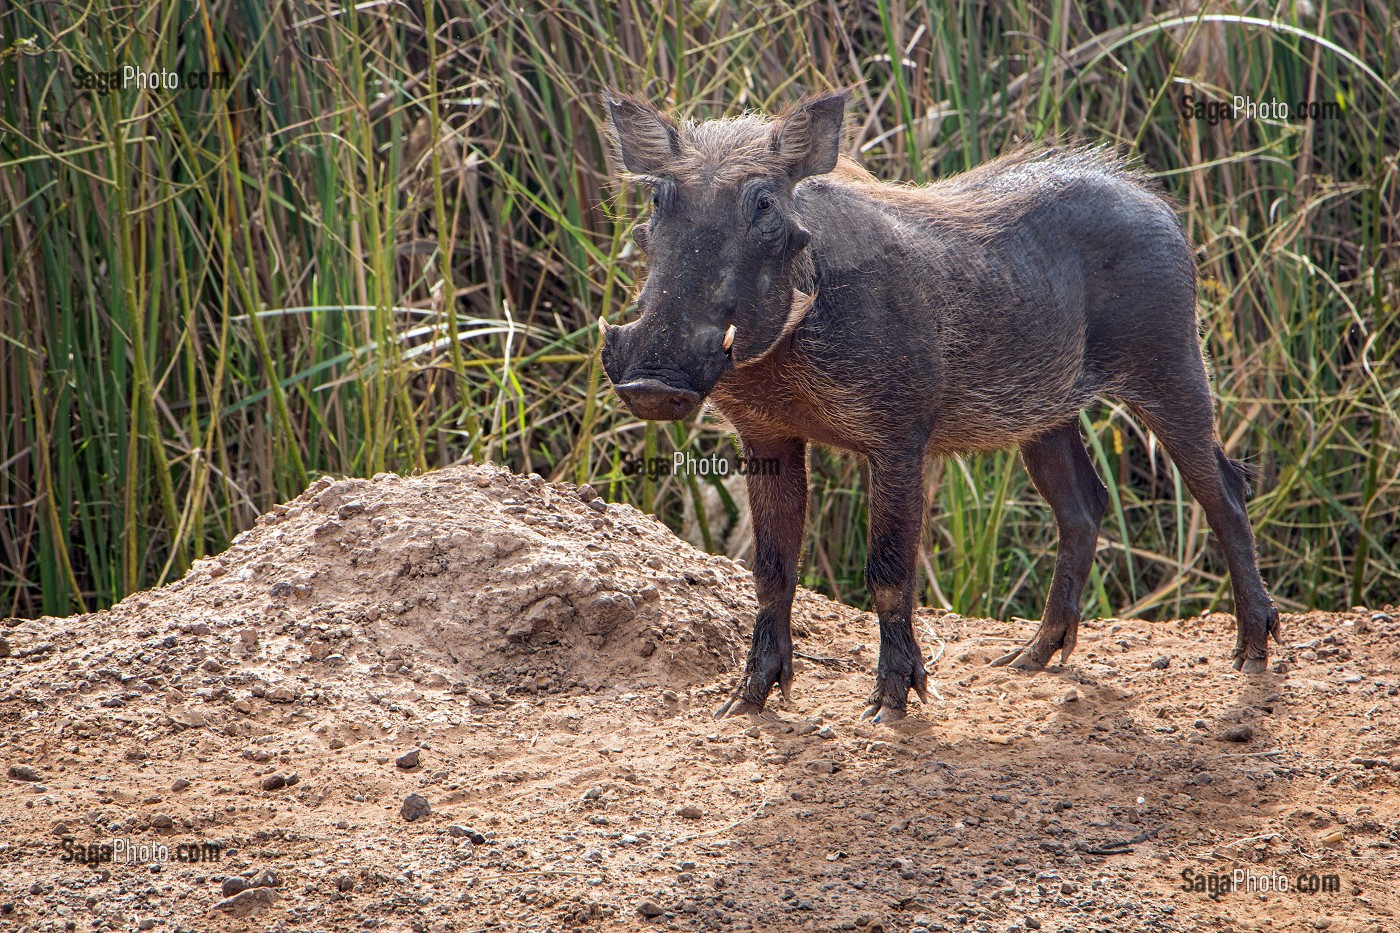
(382, 242)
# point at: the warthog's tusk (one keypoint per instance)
(729, 337)
(603, 325)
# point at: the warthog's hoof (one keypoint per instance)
(1251, 665)
(738, 706)
(1251, 655)
(1030, 658)
(1036, 653)
(888, 699)
(752, 693)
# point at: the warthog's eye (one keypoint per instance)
(655, 199)
(764, 203)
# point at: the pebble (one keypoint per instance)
(650, 909)
(274, 782)
(408, 759)
(1241, 733)
(23, 773)
(690, 812)
(162, 821)
(461, 832)
(1160, 664)
(415, 807)
(345, 884)
(280, 694)
(598, 505)
(1071, 696)
(179, 784)
(822, 766)
(587, 493)
(249, 902)
(233, 884)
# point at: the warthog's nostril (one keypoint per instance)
(653, 400)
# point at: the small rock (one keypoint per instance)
(23, 773)
(1241, 733)
(650, 908)
(274, 782)
(234, 884)
(1068, 887)
(826, 732)
(408, 759)
(461, 832)
(1160, 664)
(345, 884)
(267, 878)
(4, 648)
(145, 923)
(1071, 696)
(822, 766)
(162, 821)
(690, 812)
(587, 493)
(280, 694)
(247, 903)
(1032, 923)
(179, 784)
(598, 505)
(415, 807)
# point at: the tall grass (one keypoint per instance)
(383, 242)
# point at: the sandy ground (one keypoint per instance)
(474, 701)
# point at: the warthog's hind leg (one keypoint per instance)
(1060, 468)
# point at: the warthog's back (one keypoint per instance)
(1027, 282)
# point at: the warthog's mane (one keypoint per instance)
(978, 202)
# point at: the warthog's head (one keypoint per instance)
(728, 276)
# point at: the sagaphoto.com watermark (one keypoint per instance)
(682, 463)
(1244, 107)
(1217, 884)
(132, 78)
(135, 852)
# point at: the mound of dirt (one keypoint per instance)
(469, 577)
(431, 704)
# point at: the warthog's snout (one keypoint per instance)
(663, 374)
(654, 400)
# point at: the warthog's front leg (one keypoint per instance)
(896, 520)
(777, 487)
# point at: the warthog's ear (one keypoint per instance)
(807, 138)
(646, 138)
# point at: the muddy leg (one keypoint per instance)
(896, 520)
(1186, 428)
(778, 503)
(1060, 468)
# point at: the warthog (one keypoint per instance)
(812, 303)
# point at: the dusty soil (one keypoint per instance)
(554, 663)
